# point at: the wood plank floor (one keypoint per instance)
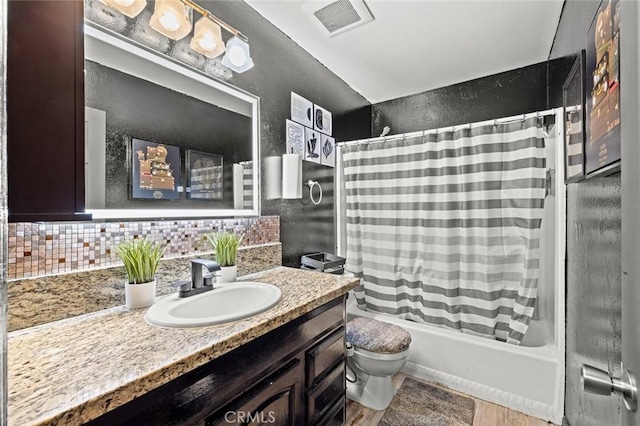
(486, 413)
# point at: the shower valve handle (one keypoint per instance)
(600, 382)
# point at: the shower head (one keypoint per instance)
(385, 131)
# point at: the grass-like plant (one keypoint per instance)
(226, 246)
(141, 259)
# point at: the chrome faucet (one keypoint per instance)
(199, 282)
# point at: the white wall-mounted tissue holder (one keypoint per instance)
(291, 176)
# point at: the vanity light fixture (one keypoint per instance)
(171, 18)
(130, 8)
(237, 57)
(207, 38)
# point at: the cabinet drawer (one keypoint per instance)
(324, 396)
(335, 415)
(324, 356)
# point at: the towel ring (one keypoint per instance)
(311, 184)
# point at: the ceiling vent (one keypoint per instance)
(339, 16)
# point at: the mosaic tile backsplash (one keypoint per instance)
(40, 249)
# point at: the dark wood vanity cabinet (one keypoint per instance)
(293, 375)
(45, 110)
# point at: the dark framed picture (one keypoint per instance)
(322, 120)
(204, 176)
(573, 109)
(155, 170)
(602, 89)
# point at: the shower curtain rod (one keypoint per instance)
(503, 120)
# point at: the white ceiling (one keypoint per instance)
(414, 46)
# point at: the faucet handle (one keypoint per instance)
(208, 279)
(183, 285)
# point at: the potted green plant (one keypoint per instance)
(226, 246)
(141, 258)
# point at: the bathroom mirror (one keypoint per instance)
(145, 112)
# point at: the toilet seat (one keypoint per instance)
(377, 337)
(374, 356)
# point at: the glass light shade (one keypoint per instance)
(237, 57)
(106, 16)
(130, 8)
(171, 18)
(146, 35)
(207, 38)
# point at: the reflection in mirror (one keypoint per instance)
(162, 139)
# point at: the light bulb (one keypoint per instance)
(237, 56)
(125, 3)
(207, 42)
(169, 21)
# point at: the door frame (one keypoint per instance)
(630, 146)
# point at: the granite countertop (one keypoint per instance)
(74, 370)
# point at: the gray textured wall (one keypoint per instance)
(593, 261)
(499, 95)
(281, 66)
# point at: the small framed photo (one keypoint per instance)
(602, 87)
(573, 99)
(301, 110)
(155, 171)
(312, 145)
(328, 151)
(204, 176)
(295, 138)
(322, 120)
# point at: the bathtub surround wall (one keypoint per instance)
(594, 247)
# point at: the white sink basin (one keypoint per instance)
(225, 303)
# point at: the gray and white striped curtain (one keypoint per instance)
(445, 228)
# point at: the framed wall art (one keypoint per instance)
(295, 138)
(204, 176)
(328, 151)
(602, 88)
(301, 110)
(312, 145)
(155, 170)
(573, 109)
(322, 120)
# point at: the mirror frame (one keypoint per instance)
(153, 58)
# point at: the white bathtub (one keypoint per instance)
(524, 378)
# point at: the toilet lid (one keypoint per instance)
(377, 336)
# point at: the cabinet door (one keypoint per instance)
(45, 110)
(275, 401)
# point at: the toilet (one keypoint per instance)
(376, 351)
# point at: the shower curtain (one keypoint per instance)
(444, 228)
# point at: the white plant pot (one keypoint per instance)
(140, 295)
(228, 274)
